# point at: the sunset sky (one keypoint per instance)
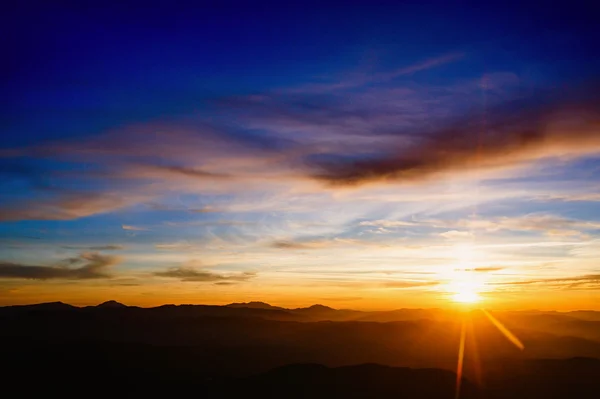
(358, 156)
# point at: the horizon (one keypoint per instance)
(371, 156)
(457, 307)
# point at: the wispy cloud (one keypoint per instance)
(133, 228)
(514, 134)
(87, 266)
(377, 78)
(387, 223)
(96, 247)
(551, 225)
(323, 243)
(185, 273)
(300, 244)
(174, 246)
(67, 205)
(455, 234)
(409, 284)
(488, 269)
(589, 281)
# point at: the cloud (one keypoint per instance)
(174, 246)
(299, 244)
(387, 223)
(409, 284)
(185, 273)
(132, 165)
(455, 234)
(487, 269)
(549, 224)
(588, 281)
(371, 128)
(585, 197)
(133, 228)
(377, 78)
(97, 248)
(66, 206)
(206, 209)
(92, 265)
(322, 243)
(514, 134)
(187, 171)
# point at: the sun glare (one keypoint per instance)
(464, 284)
(465, 289)
(466, 296)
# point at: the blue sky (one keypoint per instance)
(362, 155)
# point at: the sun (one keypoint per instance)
(466, 296)
(465, 291)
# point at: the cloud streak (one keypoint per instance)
(511, 135)
(133, 228)
(588, 281)
(67, 206)
(189, 274)
(97, 247)
(90, 266)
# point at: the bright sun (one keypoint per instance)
(466, 296)
(464, 284)
(465, 291)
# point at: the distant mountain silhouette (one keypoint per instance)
(253, 305)
(111, 304)
(239, 349)
(47, 306)
(361, 381)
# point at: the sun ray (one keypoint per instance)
(461, 357)
(475, 353)
(505, 331)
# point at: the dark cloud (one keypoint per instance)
(97, 248)
(506, 136)
(192, 274)
(292, 245)
(206, 209)
(186, 171)
(90, 266)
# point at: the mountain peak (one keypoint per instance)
(50, 306)
(318, 308)
(111, 304)
(252, 305)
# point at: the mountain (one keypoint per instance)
(588, 315)
(253, 305)
(357, 381)
(40, 307)
(214, 349)
(111, 305)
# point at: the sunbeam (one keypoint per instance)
(505, 331)
(461, 357)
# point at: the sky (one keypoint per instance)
(371, 155)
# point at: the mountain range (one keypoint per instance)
(253, 347)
